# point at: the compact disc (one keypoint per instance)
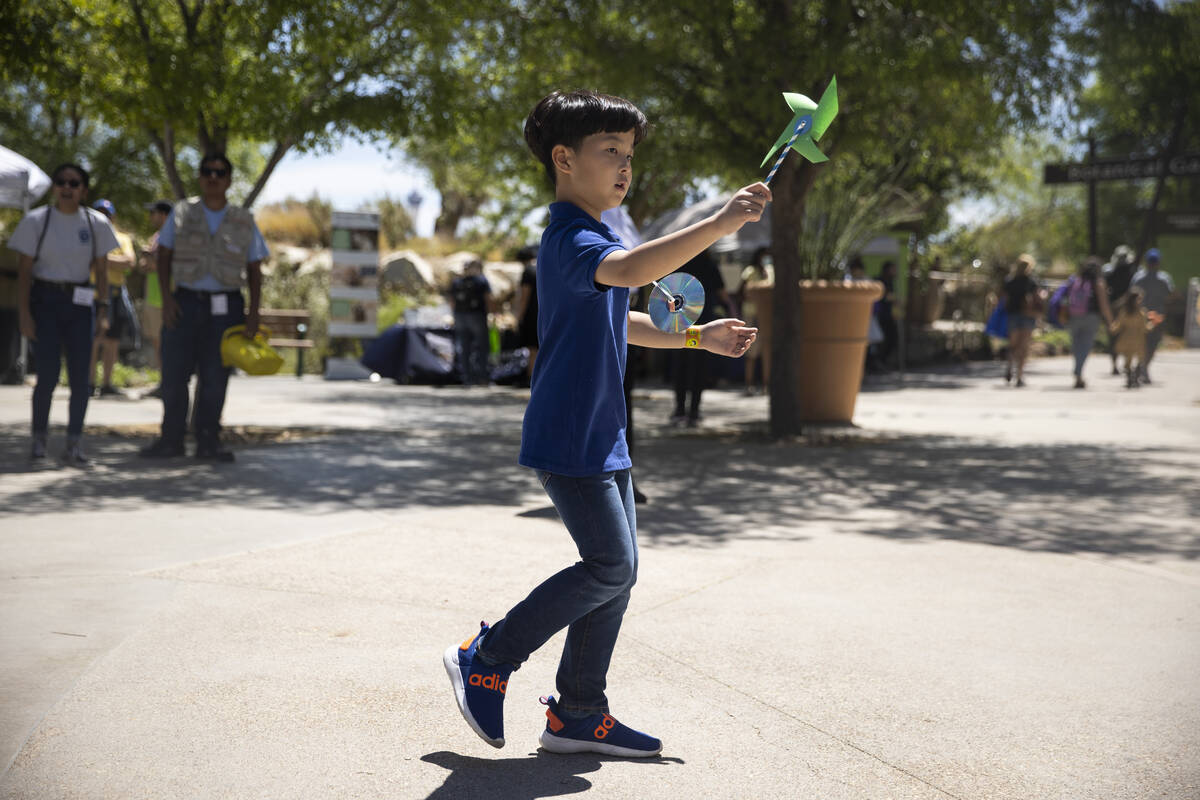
(689, 302)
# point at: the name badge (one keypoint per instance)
(220, 305)
(84, 296)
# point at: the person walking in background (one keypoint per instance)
(755, 298)
(1118, 277)
(471, 295)
(692, 367)
(527, 307)
(58, 245)
(1155, 285)
(211, 250)
(885, 313)
(107, 345)
(1086, 303)
(152, 302)
(1129, 331)
(1022, 302)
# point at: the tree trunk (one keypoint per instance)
(455, 206)
(1172, 146)
(166, 151)
(281, 149)
(790, 187)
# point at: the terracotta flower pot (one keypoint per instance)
(835, 318)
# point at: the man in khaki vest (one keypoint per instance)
(208, 251)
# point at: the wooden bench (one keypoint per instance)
(287, 327)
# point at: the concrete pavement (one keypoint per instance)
(979, 592)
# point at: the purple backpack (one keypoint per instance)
(1079, 296)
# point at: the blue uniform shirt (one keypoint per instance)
(575, 420)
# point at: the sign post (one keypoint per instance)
(1191, 325)
(353, 285)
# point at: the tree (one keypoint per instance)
(1020, 213)
(44, 115)
(928, 89)
(1144, 101)
(207, 74)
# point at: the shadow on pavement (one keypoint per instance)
(1056, 498)
(705, 491)
(537, 775)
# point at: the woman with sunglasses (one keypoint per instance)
(59, 245)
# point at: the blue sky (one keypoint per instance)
(351, 174)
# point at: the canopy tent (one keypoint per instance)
(22, 182)
(749, 238)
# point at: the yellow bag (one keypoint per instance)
(253, 356)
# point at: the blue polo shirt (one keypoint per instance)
(575, 420)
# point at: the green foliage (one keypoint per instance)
(1144, 101)
(848, 208)
(211, 75)
(392, 308)
(395, 223)
(1021, 214)
(288, 287)
(292, 222)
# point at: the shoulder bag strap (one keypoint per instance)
(37, 251)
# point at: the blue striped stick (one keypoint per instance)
(800, 126)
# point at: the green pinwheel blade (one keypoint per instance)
(805, 147)
(827, 109)
(780, 142)
(800, 105)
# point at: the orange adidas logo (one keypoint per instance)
(606, 725)
(492, 682)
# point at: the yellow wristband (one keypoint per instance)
(692, 337)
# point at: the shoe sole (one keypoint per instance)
(558, 744)
(454, 670)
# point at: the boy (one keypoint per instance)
(574, 430)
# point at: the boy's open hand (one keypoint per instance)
(727, 337)
(746, 205)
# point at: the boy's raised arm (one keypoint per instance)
(653, 260)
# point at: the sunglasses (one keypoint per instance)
(74, 183)
(213, 172)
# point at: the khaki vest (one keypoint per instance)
(222, 255)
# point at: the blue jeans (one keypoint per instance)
(471, 346)
(194, 344)
(588, 598)
(61, 325)
(1083, 333)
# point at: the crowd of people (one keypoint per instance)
(1126, 302)
(73, 299)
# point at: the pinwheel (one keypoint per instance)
(807, 126)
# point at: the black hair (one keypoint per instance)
(217, 155)
(566, 118)
(1132, 299)
(83, 173)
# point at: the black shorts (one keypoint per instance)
(116, 315)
